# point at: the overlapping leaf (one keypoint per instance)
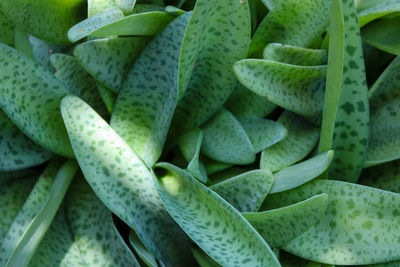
(6, 30)
(385, 176)
(142, 252)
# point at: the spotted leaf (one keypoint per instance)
(215, 226)
(247, 191)
(279, 226)
(300, 140)
(98, 6)
(346, 112)
(30, 96)
(122, 182)
(145, 105)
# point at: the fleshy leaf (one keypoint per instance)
(21, 42)
(33, 102)
(18, 151)
(126, 5)
(245, 192)
(225, 140)
(279, 226)
(262, 133)
(109, 60)
(346, 108)
(98, 6)
(108, 97)
(281, 25)
(295, 55)
(358, 227)
(205, 72)
(77, 81)
(147, 99)
(296, 175)
(113, 23)
(93, 228)
(140, 249)
(383, 8)
(385, 176)
(46, 19)
(122, 181)
(300, 140)
(6, 30)
(297, 88)
(203, 259)
(213, 166)
(215, 226)
(244, 103)
(34, 218)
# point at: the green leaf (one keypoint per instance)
(78, 81)
(358, 227)
(300, 140)
(146, 102)
(122, 182)
(270, 4)
(215, 226)
(296, 175)
(385, 176)
(262, 133)
(140, 249)
(299, 89)
(21, 42)
(213, 166)
(12, 197)
(227, 173)
(126, 5)
(46, 19)
(98, 6)
(281, 25)
(108, 97)
(279, 226)
(34, 218)
(225, 140)
(366, 4)
(346, 112)
(244, 103)
(113, 23)
(382, 8)
(6, 177)
(382, 34)
(18, 151)
(245, 192)
(295, 55)
(109, 60)
(33, 101)
(6, 30)
(203, 259)
(205, 74)
(98, 239)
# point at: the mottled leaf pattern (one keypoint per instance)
(215, 226)
(146, 102)
(300, 140)
(122, 181)
(245, 192)
(356, 228)
(279, 226)
(295, 55)
(296, 88)
(262, 133)
(46, 19)
(300, 173)
(346, 112)
(282, 22)
(30, 96)
(225, 140)
(109, 60)
(98, 6)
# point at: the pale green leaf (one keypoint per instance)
(108, 97)
(126, 5)
(140, 249)
(98, 6)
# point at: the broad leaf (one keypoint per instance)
(97, 6)
(382, 8)
(215, 226)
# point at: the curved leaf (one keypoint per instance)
(33, 220)
(6, 30)
(295, 55)
(146, 102)
(109, 60)
(203, 259)
(358, 227)
(18, 151)
(213, 166)
(245, 192)
(383, 8)
(98, 6)
(300, 140)
(225, 140)
(122, 181)
(281, 25)
(385, 176)
(262, 133)
(126, 5)
(279, 226)
(33, 101)
(215, 226)
(140, 249)
(297, 88)
(244, 103)
(108, 97)
(46, 19)
(346, 112)
(21, 42)
(113, 23)
(296, 175)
